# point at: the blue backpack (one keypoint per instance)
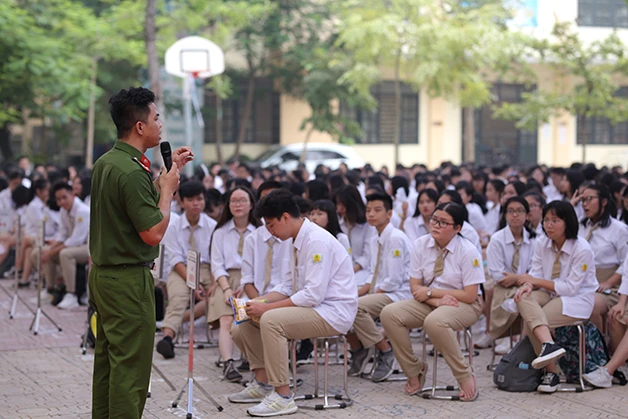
(596, 352)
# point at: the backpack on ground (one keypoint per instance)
(514, 372)
(596, 352)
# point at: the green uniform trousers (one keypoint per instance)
(124, 299)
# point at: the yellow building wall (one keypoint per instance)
(249, 150)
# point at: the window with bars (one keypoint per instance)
(599, 130)
(263, 121)
(603, 13)
(378, 125)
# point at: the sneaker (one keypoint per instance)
(230, 372)
(549, 383)
(165, 347)
(10, 273)
(599, 377)
(58, 294)
(359, 360)
(254, 392)
(502, 346)
(83, 301)
(383, 366)
(244, 366)
(273, 405)
(68, 302)
(549, 352)
(304, 352)
(486, 341)
(45, 294)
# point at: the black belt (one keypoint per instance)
(149, 265)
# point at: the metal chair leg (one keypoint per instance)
(582, 359)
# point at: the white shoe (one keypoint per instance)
(252, 393)
(486, 341)
(84, 300)
(599, 377)
(69, 302)
(273, 405)
(44, 295)
(502, 346)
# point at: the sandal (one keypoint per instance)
(475, 395)
(422, 377)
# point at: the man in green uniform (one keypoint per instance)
(129, 216)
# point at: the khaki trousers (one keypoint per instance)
(369, 308)
(266, 345)
(501, 320)
(68, 258)
(440, 324)
(539, 309)
(48, 269)
(179, 297)
(608, 300)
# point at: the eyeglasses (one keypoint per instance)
(239, 201)
(589, 198)
(553, 222)
(439, 223)
(519, 211)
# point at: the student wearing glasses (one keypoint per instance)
(445, 276)
(608, 238)
(509, 256)
(536, 202)
(227, 246)
(419, 224)
(560, 288)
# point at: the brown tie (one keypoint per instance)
(515, 258)
(269, 263)
(192, 241)
(439, 265)
(376, 271)
(593, 228)
(294, 271)
(556, 266)
(71, 220)
(241, 243)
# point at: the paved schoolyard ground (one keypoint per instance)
(46, 376)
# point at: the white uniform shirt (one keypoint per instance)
(492, 218)
(393, 275)
(360, 248)
(501, 250)
(34, 215)
(80, 215)
(476, 216)
(395, 220)
(7, 206)
(324, 277)
(469, 233)
(623, 287)
(344, 241)
(551, 193)
(462, 264)
(254, 260)
(577, 283)
(168, 242)
(177, 248)
(224, 249)
(415, 227)
(610, 244)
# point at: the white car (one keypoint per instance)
(286, 157)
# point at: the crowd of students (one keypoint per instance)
(330, 252)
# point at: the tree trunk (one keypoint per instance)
(219, 128)
(244, 120)
(150, 35)
(469, 135)
(307, 140)
(89, 151)
(582, 124)
(5, 142)
(397, 109)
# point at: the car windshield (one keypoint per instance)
(265, 155)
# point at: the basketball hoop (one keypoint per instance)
(195, 74)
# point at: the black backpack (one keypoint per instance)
(514, 372)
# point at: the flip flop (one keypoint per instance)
(475, 396)
(422, 377)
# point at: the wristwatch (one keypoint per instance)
(429, 294)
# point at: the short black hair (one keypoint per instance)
(317, 190)
(565, 211)
(305, 205)
(191, 188)
(328, 207)
(269, 184)
(431, 194)
(464, 186)
(60, 186)
(457, 211)
(608, 211)
(21, 196)
(129, 106)
(385, 198)
(350, 198)
(276, 203)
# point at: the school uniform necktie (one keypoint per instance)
(71, 222)
(439, 265)
(593, 228)
(269, 264)
(294, 271)
(515, 258)
(192, 241)
(376, 271)
(556, 266)
(241, 243)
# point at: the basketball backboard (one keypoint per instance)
(194, 55)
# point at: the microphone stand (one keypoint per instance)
(16, 296)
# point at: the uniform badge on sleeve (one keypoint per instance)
(476, 263)
(79, 219)
(142, 163)
(317, 258)
(396, 253)
(349, 250)
(585, 267)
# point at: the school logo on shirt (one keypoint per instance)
(396, 253)
(585, 267)
(317, 258)
(349, 250)
(476, 263)
(79, 219)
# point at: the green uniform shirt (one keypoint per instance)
(123, 203)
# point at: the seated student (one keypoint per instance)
(445, 274)
(390, 283)
(324, 215)
(476, 215)
(536, 203)
(418, 225)
(317, 299)
(494, 191)
(560, 288)
(13, 201)
(618, 316)
(509, 255)
(608, 238)
(191, 231)
(467, 231)
(69, 246)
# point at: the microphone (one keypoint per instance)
(166, 154)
